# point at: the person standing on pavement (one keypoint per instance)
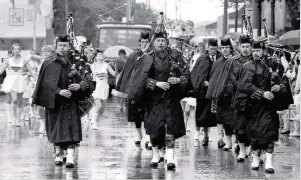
(255, 100)
(100, 70)
(120, 66)
(200, 76)
(160, 83)
(59, 93)
(135, 111)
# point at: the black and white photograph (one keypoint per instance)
(150, 89)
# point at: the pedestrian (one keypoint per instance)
(59, 89)
(160, 83)
(120, 66)
(224, 90)
(100, 70)
(200, 76)
(14, 85)
(255, 100)
(135, 111)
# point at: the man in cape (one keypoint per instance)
(200, 76)
(59, 89)
(135, 111)
(257, 99)
(160, 83)
(223, 91)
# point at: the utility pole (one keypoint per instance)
(66, 12)
(236, 15)
(225, 23)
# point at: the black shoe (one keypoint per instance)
(237, 149)
(240, 160)
(171, 166)
(69, 165)
(255, 168)
(205, 141)
(58, 163)
(137, 142)
(161, 159)
(226, 149)
(285, 132)
(270, 170)
(221, 144)
(154, 164)
(260, 162)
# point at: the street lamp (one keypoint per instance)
(259, 6)
(273, 2)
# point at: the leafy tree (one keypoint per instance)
(293, 8)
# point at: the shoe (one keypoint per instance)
(268, 163)
(170, 157)
(148, 145)
(285, 132)
(270, 171)
(162, 155)
(156, 157)
(137, 143)
(205, 141)
(255, 161)
(260, 162)
(70, 161)
(64, 153)
(226, 148)
(58, 157)
(220, 144)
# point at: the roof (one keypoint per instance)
(124, 25)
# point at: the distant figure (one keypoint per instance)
(2, 45)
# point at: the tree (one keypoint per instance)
(293, 8)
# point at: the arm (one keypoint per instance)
(111, 71)
(245, 84)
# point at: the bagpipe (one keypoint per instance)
(80, 69)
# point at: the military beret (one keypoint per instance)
(63, 38)
(245, 39)
(160, 34)
(258, 45)
(212, 42)
(226, 42)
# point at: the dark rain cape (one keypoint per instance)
(163, 108)
(123, 83)
(199, 74)
(62, 115)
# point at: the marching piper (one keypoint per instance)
(135, 111)
(60, 97)
(257, 100)
(160, 84)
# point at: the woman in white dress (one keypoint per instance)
(14, 85)
(100, 70)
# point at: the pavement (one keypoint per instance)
(110, 153)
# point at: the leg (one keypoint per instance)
(95, 114)
(186, 115)
(19, 108)
(286, 126)
(14, 100)
(58, 155)
(268, 155)
(8, 108)
(70, 156)
(296, 132)
(242, 140)
(220, 135)
(170, 152)
(155, 147)
(206, 137)
(256, 159)
(228, 132)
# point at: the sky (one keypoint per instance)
(195, 10)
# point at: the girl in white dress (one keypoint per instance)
(30, 110)
(100, 70)
(14, 85)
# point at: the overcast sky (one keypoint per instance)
(195, 10)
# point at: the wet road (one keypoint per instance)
(110, 153)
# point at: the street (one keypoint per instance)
(110, 153)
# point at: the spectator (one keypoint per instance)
(2, 45)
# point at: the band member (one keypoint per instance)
(160, 84)
(59, 90)
(255, 100)
(100, 70)
(224, 90)
(200, 76)
(245, 48)
(135, 111)
(14, 85)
